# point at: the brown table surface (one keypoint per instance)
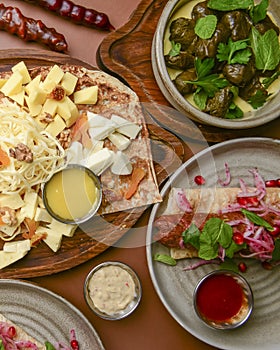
(150, 326)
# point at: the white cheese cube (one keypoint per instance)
(100, 161)
(13, 85)
(18, 98)
(22, 69)
(65, 229)
(56, 126)
(87, 95)
(53, 78)
(101, 132)
(119, 140)
(17, 246)
(13, 200)
(96, 120)
(121, 165)
(33, 85)
(34, 109)
(126, 127)
(42, 215)
(53, 239)
(69, 82)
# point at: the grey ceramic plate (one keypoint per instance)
(175, 287)
(45, 315)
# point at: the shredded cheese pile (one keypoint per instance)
(16, 127)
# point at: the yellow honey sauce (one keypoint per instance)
(72, 194)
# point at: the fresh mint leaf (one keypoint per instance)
(230, 5)
(192, 235)
(256, 219)
(266, 49)
(234, 112)
(175, 49)
(234, 248)
(206, 26)
(276, 250)
(165, 259)
(234, 52)
(215, 233)
(259, 12)
(258, 100)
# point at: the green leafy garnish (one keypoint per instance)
(215, 233)
(175, 49)
(234, 52)
(1, 345)
(268, 81)
(230, 5)
(234, 112)
(49, 346)
(258, 100)
(276, 250)
(229, 264)
(192, 235)
(208, 84)
(166, 259)
(256, 219)
(258, 12)
(266, 49)
(206, 26)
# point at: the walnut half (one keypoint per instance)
(21, 153)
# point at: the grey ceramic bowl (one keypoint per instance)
(269, 112)
(89, 291)
(226, 295)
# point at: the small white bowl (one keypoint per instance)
(263, 115)
(225, 297)
(114, 287)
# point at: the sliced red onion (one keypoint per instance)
(182, 201)
(227, 180)
(201, 263)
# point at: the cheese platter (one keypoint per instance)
(60, 246)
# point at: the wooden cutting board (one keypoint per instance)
(168, 153)
(126, 53)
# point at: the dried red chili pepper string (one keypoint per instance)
(76, 13)
(13, 21)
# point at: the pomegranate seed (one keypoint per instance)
(12, 332)
(199, 180)
(276, 231)
(238, 238)
(242, 267)
(74, 344)
(271, 183)
(278, 182)
(248, 201)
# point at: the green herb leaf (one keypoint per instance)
(175, 49)
(206, 26)
(234, 112)
(258, 100)
(234, 52)
(266, 49)
(276, 250)
(1, 345)
(230, 5)
(49, 346)
(268, 81)
(200, 98)
(234, 248)
(258, 12)
(256, 219)
(192, 235)
(210, 84)
(215, 233)
(229, 264)
(165, 259)
(204, 67)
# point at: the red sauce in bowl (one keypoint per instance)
(219, 298)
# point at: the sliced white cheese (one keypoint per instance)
(13, 200)
(121, 165)
(96, 120)
(75, 153)
(61, 228)
(100, 161)
(7, 259)
(42, 215)
(101, 132)
(17, 246)
(53, 238)
(119, 140)
(88, 95)
(30, 204)
(126, 127)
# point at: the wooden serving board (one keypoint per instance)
(126, 53)
(87, 242)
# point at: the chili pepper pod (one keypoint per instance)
(14, 22)
(76, 13)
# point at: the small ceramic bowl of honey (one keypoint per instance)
(72, 195)
(223, 300)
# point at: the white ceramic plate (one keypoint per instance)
(45, 315)
(175, 287)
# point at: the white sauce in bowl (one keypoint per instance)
(111, 289)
